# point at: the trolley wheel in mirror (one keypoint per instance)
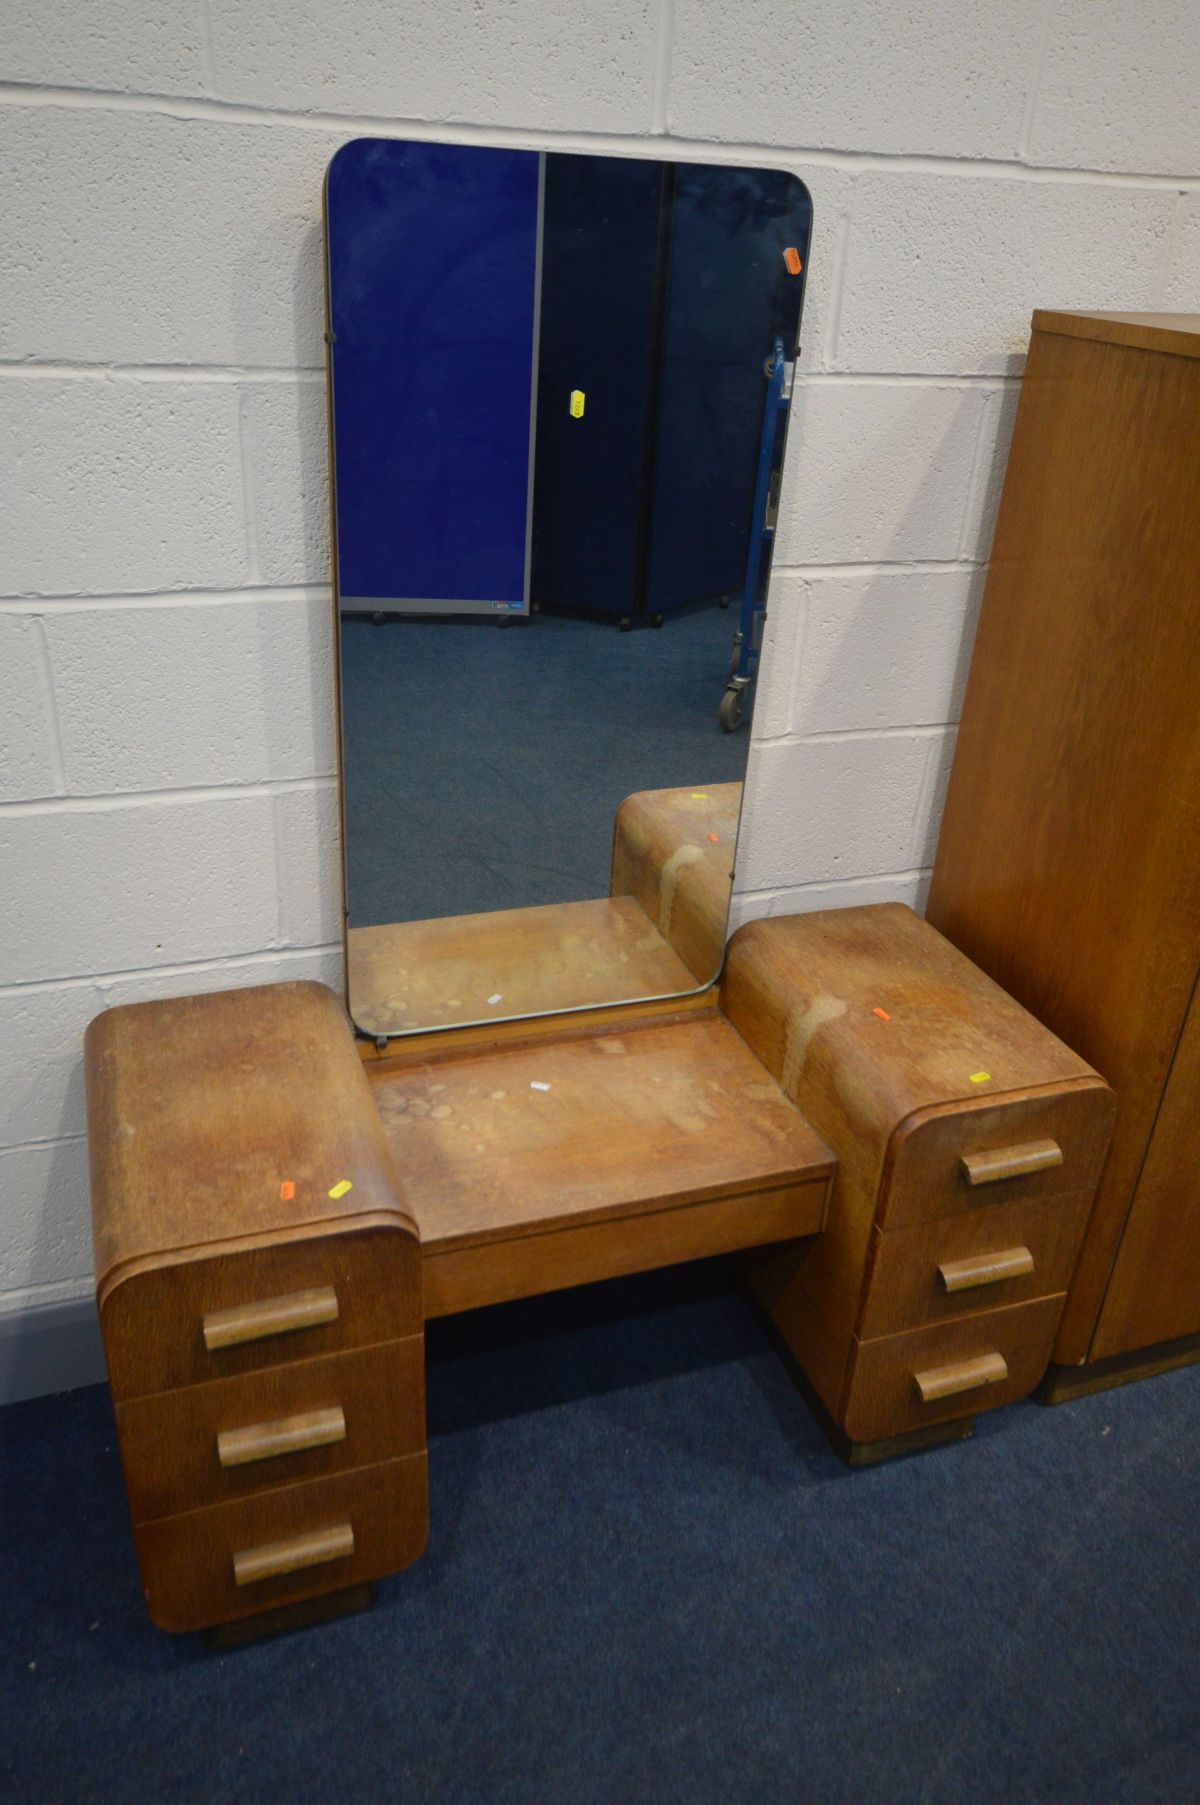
(657, 621)
(730, 712)
(625, 624)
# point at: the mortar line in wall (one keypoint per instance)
(660, 105)
(78, 369)
(1170, 241)
(70, 370)
(1029, 111)
(774, 892)
(917, 567)
(935, 379)
(927, 730)
(969, 500)
(249, 508)
(922, 815)
(279, 850)
(167, 598)
(82, 603)
(837, 284)
(693, 149)
(41, 1143)
(207, 51)
(45, 670)
(104, 802)
(803, 614)
(102, 981)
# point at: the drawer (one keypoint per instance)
(241, 1311)
(1002, 1253)
(954, 1369)
(303, 1420)
(925, 1175)
(234, 1560)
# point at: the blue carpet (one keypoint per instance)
(648, 1579)
(484, 766)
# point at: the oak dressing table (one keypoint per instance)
(567, 1074)
(277, 1213)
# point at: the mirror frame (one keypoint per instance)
(642, 1002)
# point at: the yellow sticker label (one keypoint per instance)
(340, 1188)
(577, 400)
(980, 1077)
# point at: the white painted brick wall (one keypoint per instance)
(166, 800)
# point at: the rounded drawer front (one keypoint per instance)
(306, 1419)
(1002, 1253)
(234, 1560)
(903, 1382)
(219, 1315)
(953, 1160)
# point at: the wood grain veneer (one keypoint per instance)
(1069, 859)
(903, 1287)
(1154, 1292)
(205, 1108)
(593, 1127)
(883, 1395)
(189, 1562)
(463, 1278)
(169, 1440)
(909, 1061)
(673, 850)
(259, 1289)
(411, 975)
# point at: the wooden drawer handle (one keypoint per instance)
(964, 1375)
(286, 1435)
(986, 1269)
(311, 1550)
(1010, 1162)
(273, 1316)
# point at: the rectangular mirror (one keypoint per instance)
(559, 391)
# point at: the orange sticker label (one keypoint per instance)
(882, 1014)
(792, 258)
(287, 1191)
(715, 838)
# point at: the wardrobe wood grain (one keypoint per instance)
(1068, 864)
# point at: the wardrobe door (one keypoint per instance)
(1154, 1292)
(599, 264)
(1068, 864)
(432, 266)
(731, 291)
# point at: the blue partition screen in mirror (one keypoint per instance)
(433, 280)
(560, 387)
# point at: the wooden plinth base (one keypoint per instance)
(896, 1447)
(289, 1617)
(1062, 1383)
(855, 1453)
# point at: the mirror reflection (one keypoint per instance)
(560, 387)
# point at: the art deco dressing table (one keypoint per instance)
(276, 1217)
(286, 1186)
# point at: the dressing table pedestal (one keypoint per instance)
(259, 1290)
(969, 1142)
(901, 1156)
